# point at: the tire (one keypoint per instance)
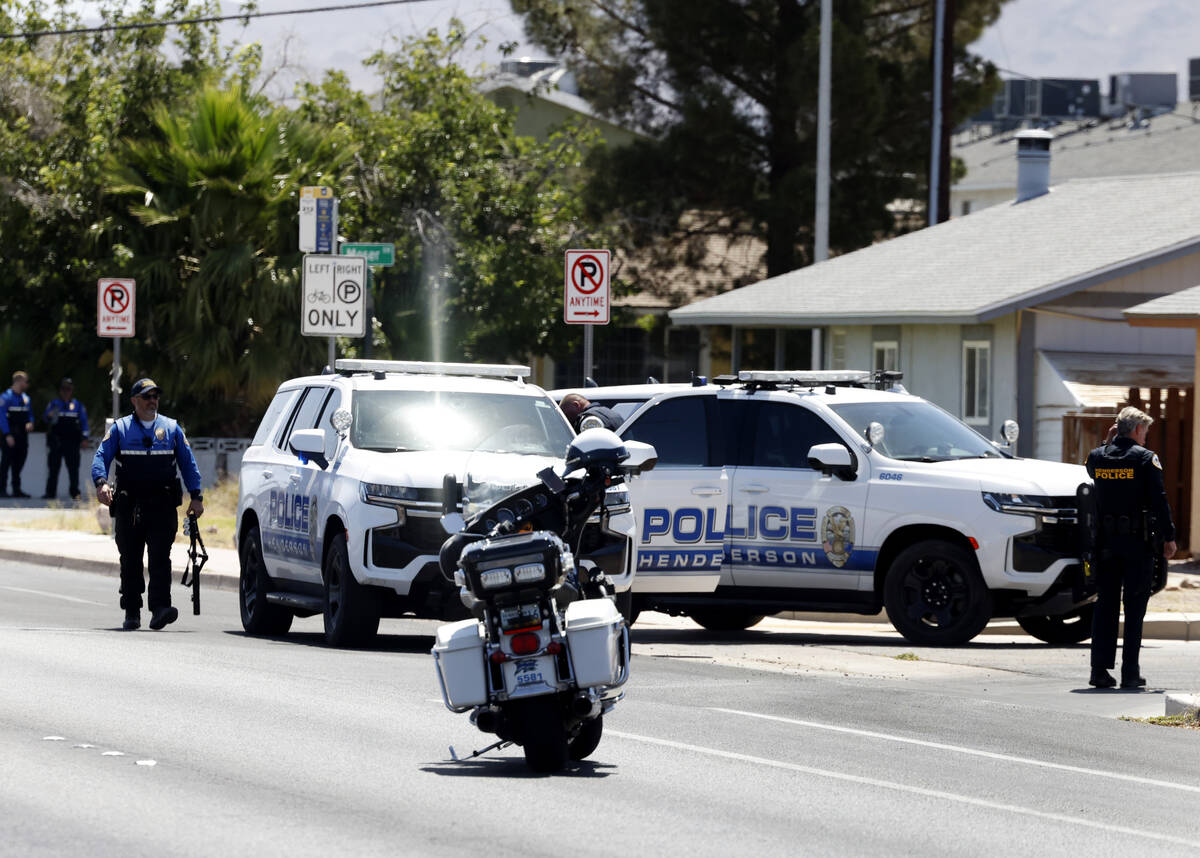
(934, 594)
(1072, 628)
(350, 618)
(543, 737)
(586, 739)
(259, 617)
(725, 619)
(625, 606)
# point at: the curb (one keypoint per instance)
(209, 580)
(1181, 704)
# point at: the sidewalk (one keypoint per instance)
(85, 552)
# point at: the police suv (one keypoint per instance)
(838, 491)
(344, 486)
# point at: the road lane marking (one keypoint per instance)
(975, 752)
(52, 595)
(907, 788)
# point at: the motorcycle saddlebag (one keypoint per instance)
(458, 651)
(594, 641)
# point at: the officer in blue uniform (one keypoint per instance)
(66, 434)
(1132, 512)
(577, 409)
(147, 447)
(16, 422)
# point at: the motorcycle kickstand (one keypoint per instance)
(454, 758)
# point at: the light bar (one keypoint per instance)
(486, 370)
(808, 376)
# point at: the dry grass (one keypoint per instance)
(1188, 720)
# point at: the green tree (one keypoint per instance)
(729, 92)
(209, 230)
(480, 216)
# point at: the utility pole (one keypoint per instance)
(943, 99)
(821, 227)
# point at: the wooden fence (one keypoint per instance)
(1170, 436)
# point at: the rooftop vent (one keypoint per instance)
(1033, 164)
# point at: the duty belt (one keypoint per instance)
(1120, 525)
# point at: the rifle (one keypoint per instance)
(1088, 535)
(1154, 538)
(197, 557)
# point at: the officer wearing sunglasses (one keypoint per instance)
(148, 448)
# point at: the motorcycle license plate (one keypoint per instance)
(520, 616)
(528, 674)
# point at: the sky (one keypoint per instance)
(1038, 38)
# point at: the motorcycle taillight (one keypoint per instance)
(524, 643)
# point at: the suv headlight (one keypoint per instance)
(385, 495)
(1015, 504)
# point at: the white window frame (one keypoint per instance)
(979, 412)
(837, 348)
(886, 346)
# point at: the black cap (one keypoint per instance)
(66, 382)
(144, 385)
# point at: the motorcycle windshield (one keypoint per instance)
(491, 477)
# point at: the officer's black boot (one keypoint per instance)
(164, 617)
(133, 620)
(1132, 678)
(1101, 678)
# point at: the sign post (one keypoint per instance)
(333, 301)
(115, 318)
(381, 255)
(586, 295)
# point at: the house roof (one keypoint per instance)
(976, 268)
(1090, 376)
(1181, 306)
(1169, 143)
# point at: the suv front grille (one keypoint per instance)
(1055, 539)
(395, 547)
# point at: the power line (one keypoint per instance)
(174, 22)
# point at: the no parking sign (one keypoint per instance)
(114, 307)
(586, 288)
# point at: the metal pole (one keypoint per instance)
(935, 156)
(821, 228)
(116, 378)
(332, 350)
(587, 352)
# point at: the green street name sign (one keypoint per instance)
(376, 254)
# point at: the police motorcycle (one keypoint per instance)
(544, 656)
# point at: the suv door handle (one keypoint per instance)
(295, 478)
(706, 490)
(268, 474)
(755, 488)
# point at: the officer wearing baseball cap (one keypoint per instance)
(148, 448)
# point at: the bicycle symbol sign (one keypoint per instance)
(586, 295)
(115, 307)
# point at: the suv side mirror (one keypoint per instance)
(642, 457)
(310, 443)
(831, 460)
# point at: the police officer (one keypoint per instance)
(66, 434)
(16, 422)
(1131, 504)
(578, 409)
(147, 447)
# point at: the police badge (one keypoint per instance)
(837, 535)
(160, 433)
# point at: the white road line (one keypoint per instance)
(974, 752)
(907, 788)
(52, 595)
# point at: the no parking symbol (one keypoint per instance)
(115, 307)
(586, 287)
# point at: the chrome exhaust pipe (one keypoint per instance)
(486, 718)
(585, 705)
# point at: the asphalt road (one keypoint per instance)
(200, 741)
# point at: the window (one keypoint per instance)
(837, 348)
(887, 354)
(307, 414)
(678, 430)
(966, 207)
(282, 402)
(784, 433)
(976, 376)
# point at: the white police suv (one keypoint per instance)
(344, 486)
(838, 491)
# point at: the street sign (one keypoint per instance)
(375, 254)
(318, 219)
(114, 307)
(586, 287)
(334, 299)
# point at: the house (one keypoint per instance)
(1015, 311)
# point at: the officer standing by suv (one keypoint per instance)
(16, 422)
(66, 433)
(1132, 514)
(576, 408)
(147, 447)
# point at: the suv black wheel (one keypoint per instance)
(350, 618)
(934, 594)
(725, 619)
(259, 617)
(1071, 628)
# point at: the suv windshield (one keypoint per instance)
(915, 431)
(422, 420)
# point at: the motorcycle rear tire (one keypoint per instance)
(587, 739)
(543, 736)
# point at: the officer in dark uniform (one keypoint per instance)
(1131, 510)
(147, 447)
(578, 409)
(16, 422)
(66, 433)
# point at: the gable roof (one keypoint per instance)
(1181, 306)
(973, 269)
(1169, 143)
